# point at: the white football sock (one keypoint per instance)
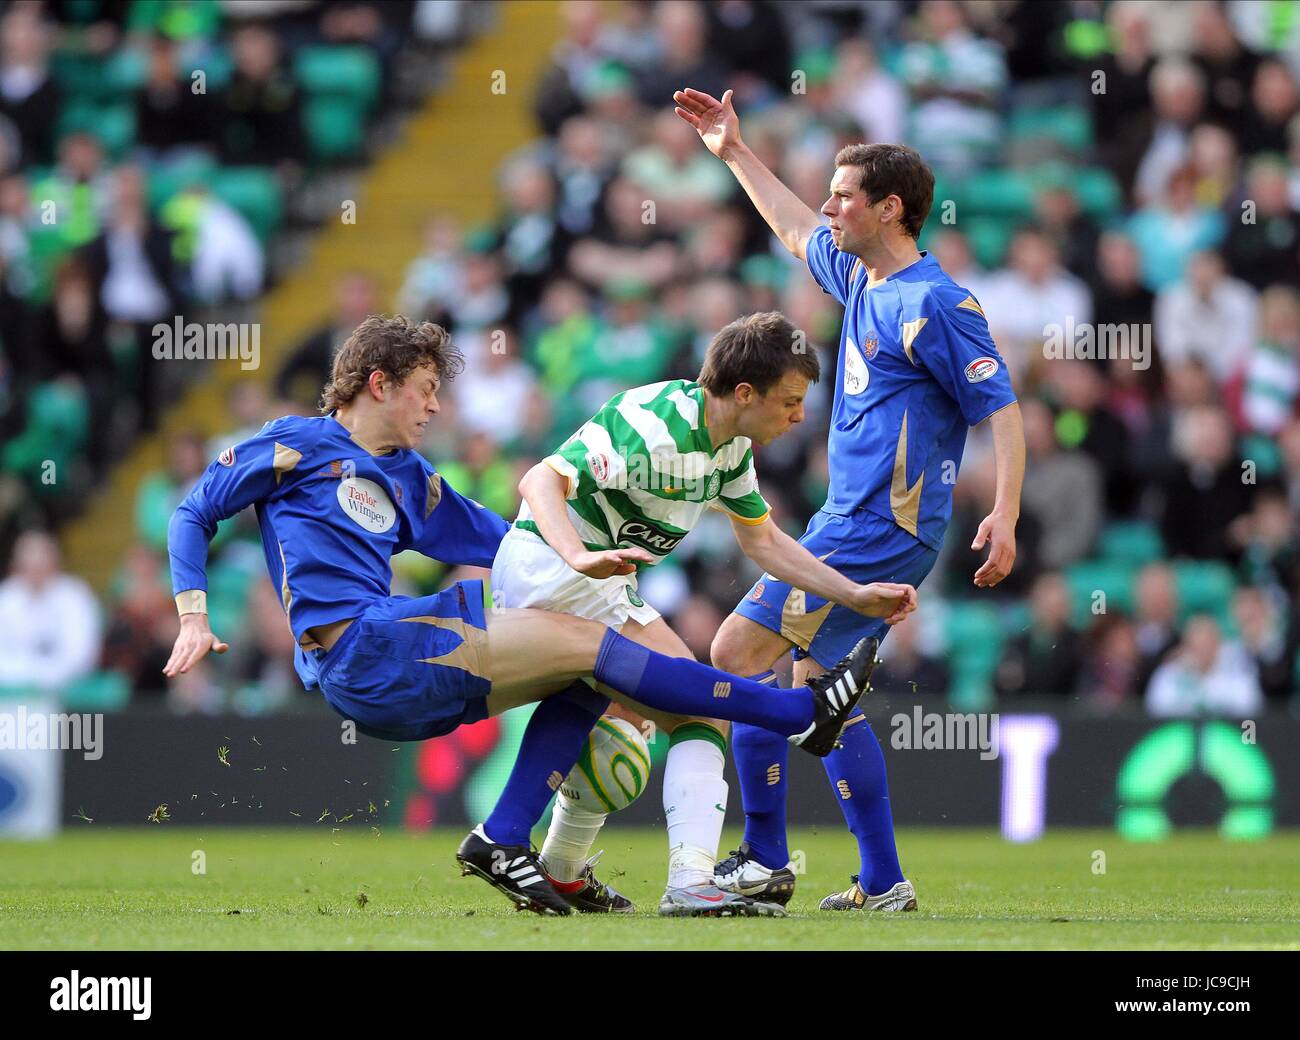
(568, 843)
(695, 806)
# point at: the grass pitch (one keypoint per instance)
(354, 889)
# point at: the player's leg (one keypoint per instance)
(535, 650)
(759, 867)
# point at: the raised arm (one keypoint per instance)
(786, 560)
(719, 128)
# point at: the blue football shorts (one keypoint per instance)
(864, 547)
(412, 668)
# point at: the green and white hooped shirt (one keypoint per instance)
(643, 469)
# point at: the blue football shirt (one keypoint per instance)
(917, 368)
(332, 515)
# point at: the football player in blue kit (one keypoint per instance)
(916, 368)
(338, 495)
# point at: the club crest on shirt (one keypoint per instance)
(856, 373)
(366, 504)
(227, 457)
(869, 347)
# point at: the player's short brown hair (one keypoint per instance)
(758, 349)
(395, 346)
(893, 169)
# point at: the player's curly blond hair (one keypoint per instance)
(395, 346)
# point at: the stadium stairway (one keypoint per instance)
(463, 126)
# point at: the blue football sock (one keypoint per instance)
(685, 687)
(857, 775)
(553, 740)
(761, 760)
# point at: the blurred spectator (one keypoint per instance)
(876, 100)
(72, 331)
(433, 279)
(1112, 663)
(261, 658)
(76, 191)
(1169, 232)
(308, 367)
(583, 167)
(752, 38)
(952, 249)
(493, 391)
(697, 621)
(1156, 600)
(685, 57)
(1085, 421)
(1205, 676)
(685, 181)
(1032, 293)
(220, 258)
(1046, 659)
(1268, 639)
(1269, 542)
(1118, 294)
(1228, 67)
(259, 111)
(1263, 247)
(1208, 316)
(169, 114)
(1274, 100)
(908, 672)
(1178, 98)
(1062, 493)
(1206, 492)
(1271, 376)
(956, 80)
(626, 244)
(532, 243)
(130, 265)
(50, 620)
(143, 623)
(574, 62)
(29, 97)
(161, 492)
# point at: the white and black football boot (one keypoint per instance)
(836, 693)
(512, 870)
(744, 875)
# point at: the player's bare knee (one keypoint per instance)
(732, 652)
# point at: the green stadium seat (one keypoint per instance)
(78, 75)
(1006, 194)
(1204, 587)
(335, 127)
(168, 181)
(1069, 126)
(1098, 191)
(113, 124)
(989, 238)
(974, 636)
(339, 71)
(1132, 542)
(253, 190)
(124, 73)
(99, 691)
(1113, 577)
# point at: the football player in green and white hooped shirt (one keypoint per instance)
(626, 489)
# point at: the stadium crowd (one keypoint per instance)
(1122, 175)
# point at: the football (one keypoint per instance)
(612, 770)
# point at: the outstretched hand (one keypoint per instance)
(192, 645)
(715, 121)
